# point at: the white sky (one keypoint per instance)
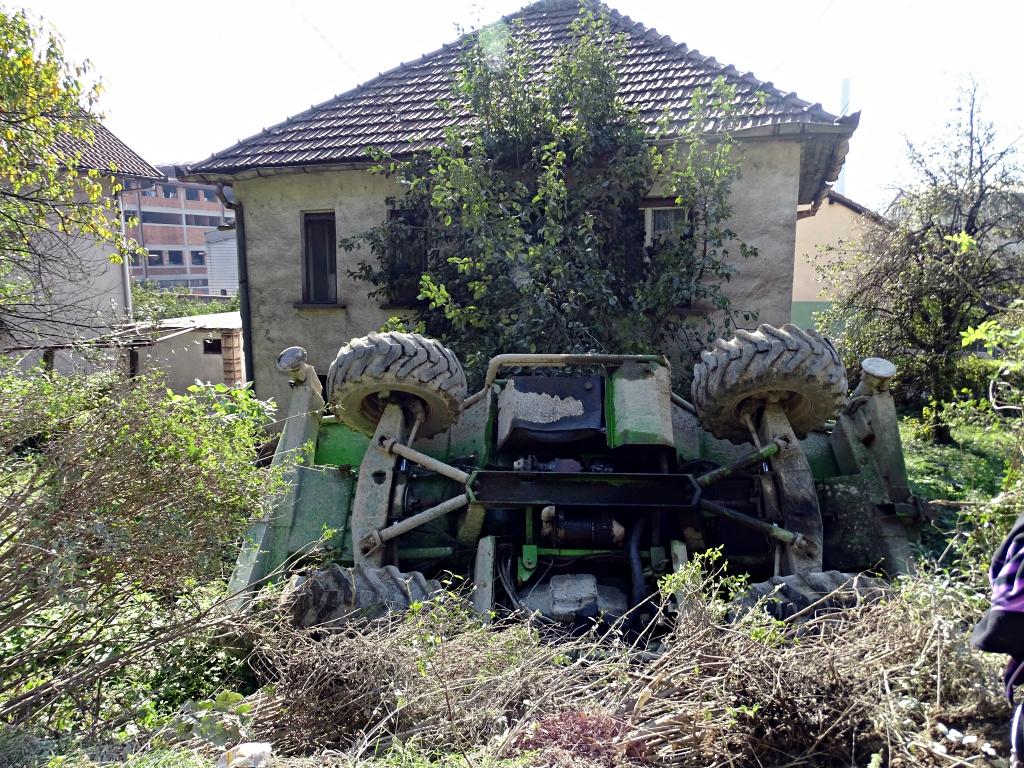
(185, 78)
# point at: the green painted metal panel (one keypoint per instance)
(802, 312)
(339, 446)
(322, 504)
(638, 405)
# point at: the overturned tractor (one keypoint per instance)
(569, 495)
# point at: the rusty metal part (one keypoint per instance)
(776, 445)
(770, 530)
(392, 446)
(683, 403)
(797, 493)
(375, 540)
(375, 486)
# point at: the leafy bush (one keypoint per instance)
(150, 303)
(121, 506)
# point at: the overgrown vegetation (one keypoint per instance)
(151, 304)
(873, 685)
(121, 505)
(946, 256)
(526, 231)
(51, 203)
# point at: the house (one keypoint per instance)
(171, 221)
(79, 293)
(822, 239)
(206, 348)
(301, 185)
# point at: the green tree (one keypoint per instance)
(150, 303)
(525, 231)
(49, 202)
(946, 257)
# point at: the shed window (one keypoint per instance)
(319, 259)
(211, 347)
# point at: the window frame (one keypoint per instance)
(308, 294)
(175, 253)
(192, 258)
(650, 205)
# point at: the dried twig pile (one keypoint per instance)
(839, 689)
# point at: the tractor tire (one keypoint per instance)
(330, 596)
(783, 597)
(393, 362)
(800, 367)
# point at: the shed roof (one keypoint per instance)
(398, 111)
(215, 321)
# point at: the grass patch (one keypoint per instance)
(971, 470)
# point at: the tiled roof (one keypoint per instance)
(397, 111)
(105, 149)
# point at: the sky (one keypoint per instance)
(184, 79)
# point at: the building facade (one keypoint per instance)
(303, 185)
(832, 234)
(172, 218)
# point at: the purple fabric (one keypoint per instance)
(1001, 629)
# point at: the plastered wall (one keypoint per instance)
(765, 203)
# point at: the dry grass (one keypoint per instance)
(875, 680)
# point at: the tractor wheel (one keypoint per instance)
(325, 597)
(785, 596)
(800, 368)
(368, 368)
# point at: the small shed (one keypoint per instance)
(203, 347)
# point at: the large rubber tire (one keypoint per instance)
(326, 597)
(783, 597)
(395, 362)
(801, 366)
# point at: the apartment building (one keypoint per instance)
(172, 218)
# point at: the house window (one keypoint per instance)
(191, 193)
(408, 257)
(176, 258)
(198, 258)
(662, 222)
(211, 347)
(156, 258)
(319, 259)
(168, 191)
(210, 195)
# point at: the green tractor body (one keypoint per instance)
(570, 494)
